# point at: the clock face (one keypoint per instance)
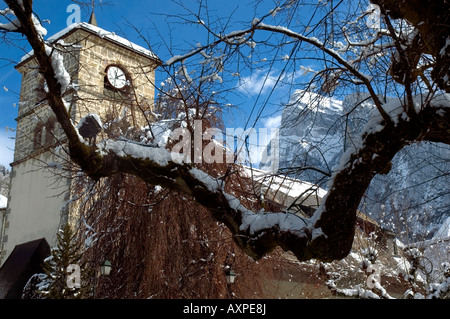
(116, 77)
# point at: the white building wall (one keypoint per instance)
(38, 195)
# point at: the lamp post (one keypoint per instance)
(231, 276)
(105, 268)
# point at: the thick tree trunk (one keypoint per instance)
(337, 220)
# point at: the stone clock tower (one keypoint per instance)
(109, 77)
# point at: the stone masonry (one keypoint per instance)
(86, 61)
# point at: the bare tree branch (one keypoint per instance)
(315, 42)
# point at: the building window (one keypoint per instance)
(41, 90)
(37, 140)
(44, 135)
(49, 127)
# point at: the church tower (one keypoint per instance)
(109, 77)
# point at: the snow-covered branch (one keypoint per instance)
(13, 25)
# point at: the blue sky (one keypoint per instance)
(150, 17)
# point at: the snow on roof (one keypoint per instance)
(284, 188)
(92, 116)
(111, 36)
(3, 202)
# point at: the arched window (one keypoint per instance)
(37, 139)
(44, 135)
(49, 138)
(41, 90)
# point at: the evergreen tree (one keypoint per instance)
(65, 276)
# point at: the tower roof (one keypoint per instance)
(95, 30)
(93, 19)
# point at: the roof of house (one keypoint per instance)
(25, 261)
(285, 190)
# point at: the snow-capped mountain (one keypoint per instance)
(412, 200)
